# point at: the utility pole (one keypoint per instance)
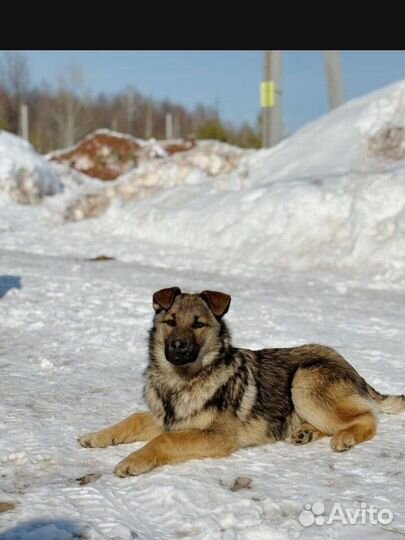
(169, 125)
(272, 131)
(176, 125)
(24, 121)
(148, 120)
(334, 76)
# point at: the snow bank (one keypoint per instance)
(207, 162)
(24, 175)
(346, 222)
(364, 136)
(322, 198)
(331, 196)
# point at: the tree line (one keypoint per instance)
(62, 113)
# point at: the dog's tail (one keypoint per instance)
(387, 403)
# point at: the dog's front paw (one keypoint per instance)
(98, 439)
(132, 466)
(342, 441)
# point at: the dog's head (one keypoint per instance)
(187, 327)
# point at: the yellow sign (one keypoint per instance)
(267, 94)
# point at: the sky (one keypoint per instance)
(228, 80)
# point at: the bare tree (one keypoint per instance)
(70, 105)
(61, 114)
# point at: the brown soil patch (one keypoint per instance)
(6, 506)
(102, 155)
(107, 154)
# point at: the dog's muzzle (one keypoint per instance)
(181, 351)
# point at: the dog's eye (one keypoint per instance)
(198, 324)
(170, 322)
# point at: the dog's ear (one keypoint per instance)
(218, 302)
(164, 298)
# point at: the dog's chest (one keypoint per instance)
(183, 406)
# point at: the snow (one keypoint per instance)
(209, 161)
(338, 143)
(299, 225)
(324, 198)
(24, 175)
(307, 257)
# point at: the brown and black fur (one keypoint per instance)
(207, 398)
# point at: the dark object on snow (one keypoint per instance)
(88, 478)
(101, 258)
(241, 482)
(9, 282)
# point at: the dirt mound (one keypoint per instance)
(106, 154)
(103, 154)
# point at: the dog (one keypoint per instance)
(207, 398)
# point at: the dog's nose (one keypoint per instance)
(178, 346)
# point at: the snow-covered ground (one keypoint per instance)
(308, 240)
